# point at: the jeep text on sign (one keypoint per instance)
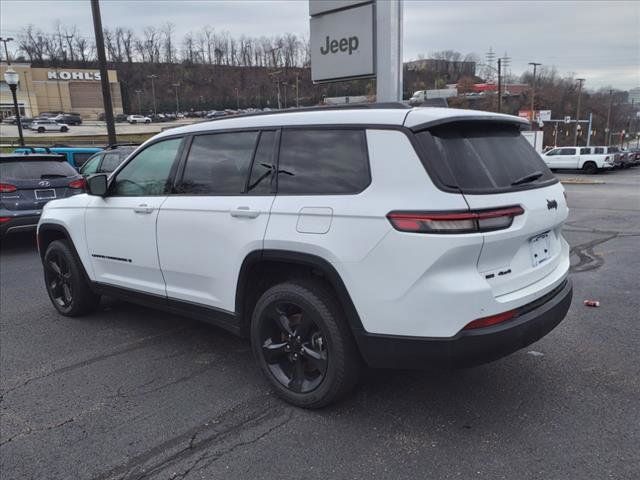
(342, 44)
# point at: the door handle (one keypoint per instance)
(143, 208)
(244, 212)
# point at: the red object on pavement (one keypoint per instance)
(592, 303)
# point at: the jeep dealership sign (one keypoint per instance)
(342, 41)
(66, 75)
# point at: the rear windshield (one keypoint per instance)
(483, 157)
(36, 169)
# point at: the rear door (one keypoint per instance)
(217, 215)
(495, 167)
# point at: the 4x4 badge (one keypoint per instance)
(552, 204)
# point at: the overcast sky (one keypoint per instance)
(599, 41)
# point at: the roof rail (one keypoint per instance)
(33, 149)
(111, 146)
(344, 106)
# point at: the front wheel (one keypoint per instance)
(64, 129)
(40, 129)
(66, 285)
(590, 168)
(303, 345)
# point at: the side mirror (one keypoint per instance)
(97, 185)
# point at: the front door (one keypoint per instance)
(121, 227)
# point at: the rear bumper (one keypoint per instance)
(471, 347)
(19, 223)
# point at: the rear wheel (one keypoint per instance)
(40, 129)
(64, 129)
(66, 285)
(303, 344)
(590, 168)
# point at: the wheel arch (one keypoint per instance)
(283, 264)
(50, 232)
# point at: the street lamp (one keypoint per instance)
(575, 138)
(176, 85)
(153, 92)
(6, 52)
(533, 90)
(12, 79)
(138, 92)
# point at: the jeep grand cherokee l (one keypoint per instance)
(332, 238)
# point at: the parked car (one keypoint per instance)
(138, 119)
(108, 160)
(76, 156)
(24, 121)
(398, 237)
(581, 158)
(634, 155)
(68, 119)
(28, 182)
(48, 125)
(216, 114)
(615, 153)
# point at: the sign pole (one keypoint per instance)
(388, 50)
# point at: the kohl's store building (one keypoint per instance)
(69, 90)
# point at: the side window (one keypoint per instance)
(218, 164)
(81, 158)
(110, 162)
(149, 172)
(91, 166)
(260, 180)
(322, 162)
(567, 151)
(552, 153)
(585, 151)
(599, 150)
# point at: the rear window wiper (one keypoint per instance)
(527, 178)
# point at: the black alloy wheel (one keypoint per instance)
(294, 347)
(58, 278)
(303, 344)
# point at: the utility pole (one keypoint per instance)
(607, 134)
(176, 85)
(590, 129)
(104, 79)
(6, 52)
(533, 92)
(153, 93)
(499, 85)
(297, 98)
(575, 137)
(138, 92)
(237, 98)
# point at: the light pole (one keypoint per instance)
(237, 99)
(607, 137)
(12, 79)
(138, 93)
(6, 52)
(297, 96)
(575, 137)
(533, 89)
(176, 85)
(153, 93)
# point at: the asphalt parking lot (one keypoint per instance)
(131, 393)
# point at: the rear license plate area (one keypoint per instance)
(540, 248)
(45, 194)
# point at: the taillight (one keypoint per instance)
(4, 219)
(80, 183)
(492, 320)
(454, 222)
(7, 188)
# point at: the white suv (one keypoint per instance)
(332, 238)
(132, 119)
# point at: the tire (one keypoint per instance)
(147, 121)
(590, 167)
(40, 129)
(313, 360)
(64, 129)
(66, 285)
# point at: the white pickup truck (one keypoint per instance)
(574, 158)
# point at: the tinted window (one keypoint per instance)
(322, 162)
(91, 166)
(551, 153)
(478, 157)
(81, 158)
(599, 150)
(567, 151)
(260, 181)
(149, 172)
(36, 170)
(218, 164)
(585, 151)
(111, 161)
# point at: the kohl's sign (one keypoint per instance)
(64, 75)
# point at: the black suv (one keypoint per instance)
(29, 181)
(68, 119)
